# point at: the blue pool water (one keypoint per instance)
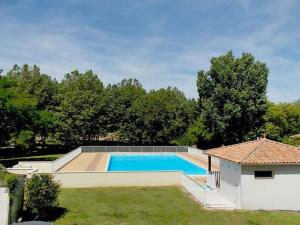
(153, 162)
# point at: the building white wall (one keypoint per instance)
(4, 206)
(230, 174)
(108, 179)
(282, 192)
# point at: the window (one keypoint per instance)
(263, 174)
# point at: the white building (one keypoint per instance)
(267, 174)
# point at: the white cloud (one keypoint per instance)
(156, 60)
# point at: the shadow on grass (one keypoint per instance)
(52, 215)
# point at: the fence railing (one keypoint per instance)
(213, 179)
(134, 148)
(211, 197)
(231, 193)
(197, 190)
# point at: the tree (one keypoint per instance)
(31, 81)
(232, 98)
(119, 98)
(40, 194)
(297, 103)
(157, 117)
(18, 112)
(282, 120)
(196, 133)
(81, 111)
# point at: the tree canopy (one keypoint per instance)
(80, 113)
(232, 107)
(232, 98)
(157, 117)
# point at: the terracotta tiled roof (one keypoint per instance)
(258, 152)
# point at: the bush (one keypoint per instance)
(40, 195)
(8, 180)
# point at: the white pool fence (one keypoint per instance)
(155, 149)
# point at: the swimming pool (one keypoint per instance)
(153, 162)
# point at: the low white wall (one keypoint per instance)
(60, 162)
(20, 171)
(4, 206)
(201, 153)
(42, 166)
(109, 179)
(282, 192)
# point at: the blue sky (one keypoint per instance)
(161, 43)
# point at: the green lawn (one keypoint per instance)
(157, 206)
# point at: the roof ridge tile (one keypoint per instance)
(232, 145)
(254, 150)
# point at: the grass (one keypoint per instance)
(146, 206)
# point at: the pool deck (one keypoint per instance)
(97, 162)
(197, 160)
(200, 162)
(87, 162)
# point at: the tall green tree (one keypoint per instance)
(232, 98)
(157, 117)
(81, 111)
(119, 98)
(30, 80)
(18, 114)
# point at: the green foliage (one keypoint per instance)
(8, 180)
(119, 98)
(231, 108)
(282, 120)
(17, 110)
(80, 114)
(157, 117)
(297, 103)
(46, 124)
(24, 138)
(40, 194)
(232, 98)
(31, 81)
(195, 134)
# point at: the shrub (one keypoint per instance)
(8, 180)
(40, 195)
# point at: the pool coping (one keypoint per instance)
(155, 153)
